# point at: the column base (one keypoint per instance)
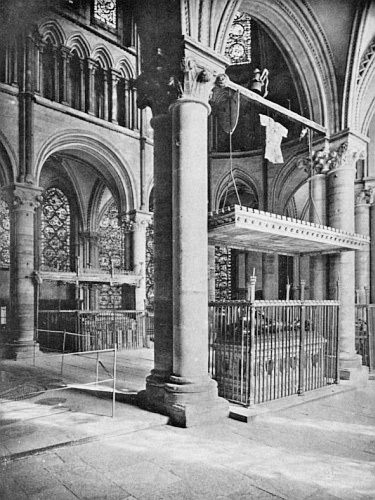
(352, 371)
(193, 404)
(152, 398)
(18, 350)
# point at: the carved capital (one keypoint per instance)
(364, 197)
(135, 220)
(344, 157)
(22, 196)
(161, 85)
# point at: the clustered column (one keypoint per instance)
(22, 199)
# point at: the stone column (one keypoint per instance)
(22, 199)
(153, 396)
(83, 85)
(115, 76)
(105, 94)
(91, 65)
(269, 276)
(56, 73)
(65, 97)
(362, 257)
(340, 192)
(191, 395)
(140, 221)
(318, 216)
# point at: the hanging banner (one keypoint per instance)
(228, 110)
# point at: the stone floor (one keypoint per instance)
(61, 442)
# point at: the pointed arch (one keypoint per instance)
(241, 177)
(79, 44)
(296, 31)
(102, 56)
(103, 157)
(52, 30)
(125, 68)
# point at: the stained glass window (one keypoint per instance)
(238, 47)
(150, 264)
(4, 234)
(223, 273)
(111, 255)
(55, 230)
(106, 12)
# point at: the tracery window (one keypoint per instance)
(111, 255)
(238, 47)
(55, 226)
(105, 11)
(4, 235)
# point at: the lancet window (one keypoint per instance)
(99, 92)
(50, 73)
(76, 81)
(55, 227)
(4, 235)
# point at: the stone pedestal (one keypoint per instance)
(22, 200)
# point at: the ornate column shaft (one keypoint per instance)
(22, 200)
(362, 257)
(342, 266)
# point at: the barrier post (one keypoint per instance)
(302, 340)
(114, 382)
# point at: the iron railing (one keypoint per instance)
(95, 330)
(364, 334)
(267, 350)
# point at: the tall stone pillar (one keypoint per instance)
(362, 257)
(191, 395)
(153, 396)
(318, 215)
(342, 266)
(22, 199)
